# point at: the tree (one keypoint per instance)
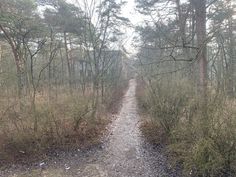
(103, 20)
(200, 11)
(66, 19)
(15, 15)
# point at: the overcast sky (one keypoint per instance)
(135, 18)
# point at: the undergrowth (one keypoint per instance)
(202, 139)
(65, 124)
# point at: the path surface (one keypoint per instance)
(124, 154)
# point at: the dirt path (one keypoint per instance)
(124, 154)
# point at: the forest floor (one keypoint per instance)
(123, 152)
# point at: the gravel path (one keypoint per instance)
(124, 153)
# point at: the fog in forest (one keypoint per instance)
(118, 88)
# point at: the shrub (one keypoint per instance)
(166, 103)
(180, 113)
(211, 154)
(61, 125)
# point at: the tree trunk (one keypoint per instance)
(17, 62)
(200, 8)
(231, 75)
(49, 81)
(68, 62)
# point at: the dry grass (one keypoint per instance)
(25, 145)
(65, 123)
(203, 141)
(153, 132)
(57, 128)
